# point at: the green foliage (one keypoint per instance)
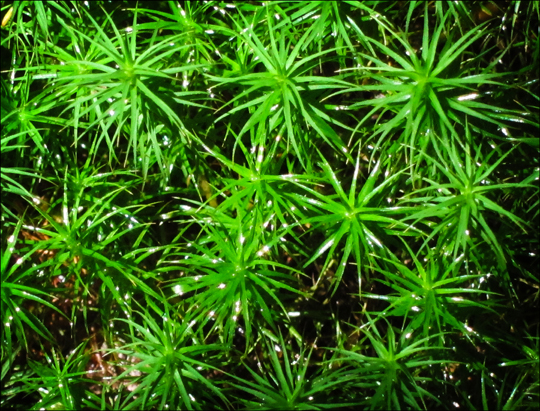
(279, 205)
